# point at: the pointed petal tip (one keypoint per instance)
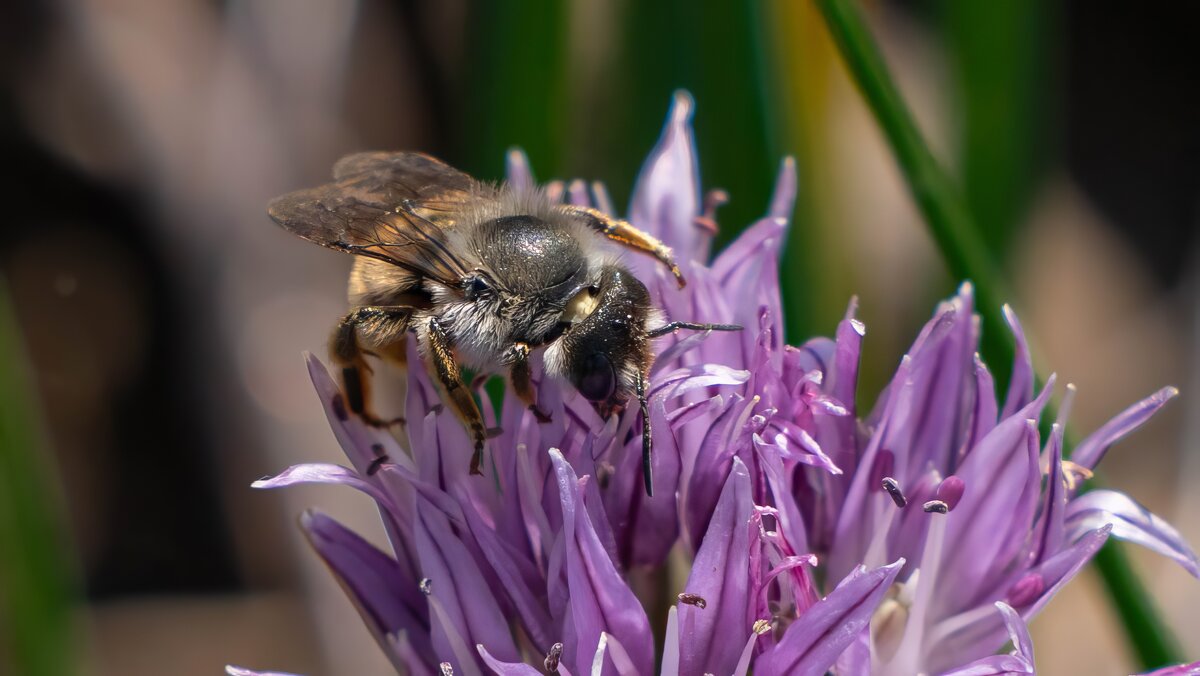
(739, 467)
(682, 107)
(852, 308)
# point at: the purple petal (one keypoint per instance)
(325, 473)
(995, 665)
(991, 523)
(781, 482)
(690, 378)
(517, 171)
(977, 632)
(720, 576)
(856, 659)
(626, 505)
(1059, 569)
(1020, 386)
(765, 235)
(519, 579)
(1192, 669)
(670, 660)
(577, 194)
(783, 199)
(239, 671)
(467, 607)
(941, 375)
(817, 638)
(600, 600)
(362, 444)
(1019, 662)
(986, 411)
(743, 665)
(1048, 532)
(387, 599)
(506, 668)
(1133, 522)
(666, 199)
(1018, 633)
(1089, 451)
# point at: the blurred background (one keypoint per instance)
(152, 318)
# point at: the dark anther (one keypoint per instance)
(373, 468)
(552, 658)
(936, 506)
(693, 600)
(446, 669)
(426, 586)
(893, 489)
(339, 407)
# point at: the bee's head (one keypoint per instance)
(605, 353)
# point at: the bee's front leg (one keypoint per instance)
(624, 233)
(446, 372)
(522, 380)
(370, 329)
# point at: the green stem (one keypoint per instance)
(37, 588)
(937, 197)
(967, 257)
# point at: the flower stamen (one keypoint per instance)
(693, 600)
(935, 506)
(950, 491)
(893, 489)
(1075, 474)
(552, 658)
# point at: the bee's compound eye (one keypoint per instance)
(598, 378)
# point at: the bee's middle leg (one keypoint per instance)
(522, 380)
(371, 329)
(445, 370)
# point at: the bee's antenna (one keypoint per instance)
(691, 326)
(647, 470)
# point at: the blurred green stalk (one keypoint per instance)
(36, 585)
(967, 257)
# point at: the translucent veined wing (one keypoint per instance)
(395, 207)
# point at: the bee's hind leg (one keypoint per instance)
(522, 380)
(368, 330)
(455, 393)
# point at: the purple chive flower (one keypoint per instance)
(963, 488)
(929, 518)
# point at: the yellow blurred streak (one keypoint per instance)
(802, 72)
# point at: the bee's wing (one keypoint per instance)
(394, 207)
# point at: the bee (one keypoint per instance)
(483, 275)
